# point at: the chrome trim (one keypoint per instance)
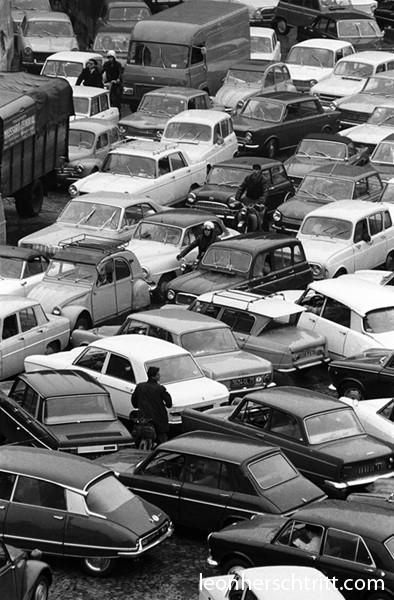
(354, 482)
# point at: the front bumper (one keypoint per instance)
(144, 545)
(361, 481)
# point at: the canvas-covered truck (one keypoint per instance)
(34, 121)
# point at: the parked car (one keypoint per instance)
(361, 237)
(377, 416)
(319, 149)
(110, 216)
(267, 327)
(382, 159)
(94, 102)
(245, 80)
(125, 14)
(320, 435)
(69, 65)
(164, 172)
(361, 30)
(314, 59)
(98, 519)
(217, 195)
(261, 12)
(157, 107)
(90, 282)
(110, 37)
(376, 92)
(40, 34)
(23, 576)
(25, 328)
(120, 362)
(378, 126)
(220, 479)
(159, 239)
(212, 344)
(205, 135)
(380, 277)
(324, 185)
(21, 269)
(278, 121)
(261, 264)
(264, 44)
(61, 410)
(347, 540)
(384, 15)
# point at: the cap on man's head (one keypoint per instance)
(153, 371)
(111, 53)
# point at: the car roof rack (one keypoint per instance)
(89, 242)
(241, 296)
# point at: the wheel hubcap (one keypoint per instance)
(236, 570)
(353, 393)
(97, 564)
(41, 591)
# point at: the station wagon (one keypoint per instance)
(94, 102)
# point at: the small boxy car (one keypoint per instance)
(94, 102)
(21, 269)
(23, 577)
(70, 506)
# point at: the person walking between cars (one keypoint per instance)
(152, 400)
(203, 241)
(112, 78)
(90, 75)
(254, 189)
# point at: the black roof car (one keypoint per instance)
(382, 158)
(326, 26)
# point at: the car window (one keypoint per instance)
(278, 175)
(200, 101)
(164, 166)
(332, 28)
(94, 107)
(298, 254)
(165, 464)
(7, 481)
(39, 493)
(102, 141)
(387, 219)
(307, 109)
(336, 312)
(225, 128)
(216, 133)
(114, 135)
(92, 358)
(285, 424)
(35, 266)
(312, 301)
(380, 68)
(104, 104)
(262, 265)
(374, 184)
(132, 215)
(346, 546)
(197, 56)
(304, 536)
(120, 367)
(281, 258)
(280, 74)
(122, 269)
(10, 327)
(177, 161)
(361, 231)
(375, 223)
(321, 24)
(207, 472)
(253, 414)
(29, 401)
(27, 319)
(269, 79)
(105, 273)
(238, 320)
(360, 188)
(160, 333)
(206, 309)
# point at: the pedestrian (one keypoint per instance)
(203, 241)
(90, 75)
(254, 189)
(112, 78)
(152, 400)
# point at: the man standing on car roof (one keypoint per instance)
(152, 400)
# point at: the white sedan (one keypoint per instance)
(264, 44)
(377, 416)
(68, 65)
(120, 362)
(21, 269)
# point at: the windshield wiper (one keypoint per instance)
(108, 220)
(86, 217)
(320, 153)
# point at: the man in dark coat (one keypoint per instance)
(254, 189)
(151, 399)
(203, 241)
(90, 75)
(112, 77)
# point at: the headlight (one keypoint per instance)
(159, 133)
(145, 272)
(73, 190)
(27, 51)
(191, 197)
(333, 105)
(171, 295)
(313, 82)
(257, 13)
(277, 216)
(79, 169)
(317, 270)
(57, 311)
(233, 203)
(248, 136)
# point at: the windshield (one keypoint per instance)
(235, 76)
(76, 409)
(80, 138)
(158, 232)
(311, 57)
(357, 29)
(188, 132)
(327, 227)
(334, 425)
(11, 268)
(263, 110)
(226, 176)
(380, 320)
(158, 104)
(176, 368)
(210, 341)
(99, 216)
(31, 5)
(384, 153)
(379, 85)
(352, 68)
(322, 149)
(60, 68)
(69, 271)
(226, 259)
(127, 164)
(165, 56)
(118, 41)
(390, 546)
(48, 29)
(106, 495)
(382, 116)
(271, 471)
(260, 44)
(127, 13)
(326, 189)
(81, 105)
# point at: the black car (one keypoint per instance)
(206, 481)
(23, 577)
(350, 541)
(382, 160)
(358, 28)
(384, 15)
(263, 264)
(218, 193)
(365, 376)
(279, 120)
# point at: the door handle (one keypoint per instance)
(224, 495)
(58, 517)
(21, 339)
(312, 320)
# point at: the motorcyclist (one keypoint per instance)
(112, 78)
(207, 237)
(255, 189)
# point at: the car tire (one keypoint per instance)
(98, 566)
(351, 389)
(52, 348)
(162, 287)
(339, 273)
(41, 589)
(282, 27)
(389, 262)
(271, 148)
(236, 564)
(326, 129)
(83, 322)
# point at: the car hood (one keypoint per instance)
(217, 193)
(297, 208)
(229, 95)
(244, 124)
(138, 516)
(54, 234)
(50, 294)
(233, 364)
(292, 338)
(367, 134)
(320, 249)
(50, 44)
(143, 120)
(92, 433)
(355, 449)
(306, 73)
(97, 182)
(363, 102)
(198, 282)
(338, 86)
(299, 166)
(149, 252)
(75, 153)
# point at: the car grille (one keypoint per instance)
(290, 225)
(41, 56)
(214, 207)
(353, 117)
(184, 298)
(374, 467)
(155, 535)
(327, 98)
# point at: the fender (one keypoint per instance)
(351, 380)
(72, 313)
(36, 568)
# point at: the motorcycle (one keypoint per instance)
(250, 217)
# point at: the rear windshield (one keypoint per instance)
(107, 495)
(271, 471)
(77, 409)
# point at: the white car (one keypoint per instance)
(350, 74)
(120, 362)
(377, 277)
(344, 236)
(21, 269)
(26, 329)
(93, 102)
(205, 135)
(377, 416)
(312, 60)
(264, 44)
(378, 126)
(69, 65)
(161, 171)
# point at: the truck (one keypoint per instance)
(192, 44)
(34, 124)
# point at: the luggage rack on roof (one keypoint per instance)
(248, 297)
(91, 242)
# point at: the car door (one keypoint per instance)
(334, 324)
(12, 347)
(104, 292)
(290, 130)
(118, 378)
(230, 144)
(9, 576)
(278, 186)
(107, 112)
(163, 190)
(298, 543)
(286, 431)
(378, 252)
(181, 174)
(362, 245)
(123, 285)
(7, 484)
(102, 146)
(36, 516)
(33, 271)
(34, 334)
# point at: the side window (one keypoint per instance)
(374, 184)
(122, 269)
(380, 68)
(27, 319)
(40, 315)
(387, 220)
(10, 327)
(120, 368)
(160, 333)
(361, 231)
(269, 79)
(30, 401)
(105, 273)
(298, 255)
(307, 109)
(166, 464)
(132, 215)
(336, 312)
(7, 481)
(321, 24)
(262, 265)
(312, 301)
(18, 391)
(136, 327)
(114, 135)
(94, 107)
(281, 258)
(305, 536)
(375, 223)
(332, 28)
(278, 175)
(164, 166)
(35, 266)
(360, 188)
(284, 424)
(279, 75)
(240, 321)
(197, 56)
(104, 104)
(177, 161)
(102, 141)
(347, 51)
(201, 102)
(341, 544)
(93, 359)
(39, 493)
(225, 128)
(207, 309)
(207, 472)
(190, 236)
(216, 133)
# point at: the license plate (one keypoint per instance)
(104, 448)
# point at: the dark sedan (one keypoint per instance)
(382, 160)
(359, 29)
(206, 481)
(352, 542)
(279, 120)
(322, 436)
(23, 577)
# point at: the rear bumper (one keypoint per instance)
(342, 485)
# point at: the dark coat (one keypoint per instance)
(113, 71)
(151, 399)
(202, 242)
(253, 185)
(90, 78)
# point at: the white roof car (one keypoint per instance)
(370, 134)
(347, 235)
(160, 170)
(68, 65)
(42, 33)
(376, 276)
(205, 135)
(120, 362)
(313, 60)
(377, 416)
(264, 44)
(93, 102)
(350, 74)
